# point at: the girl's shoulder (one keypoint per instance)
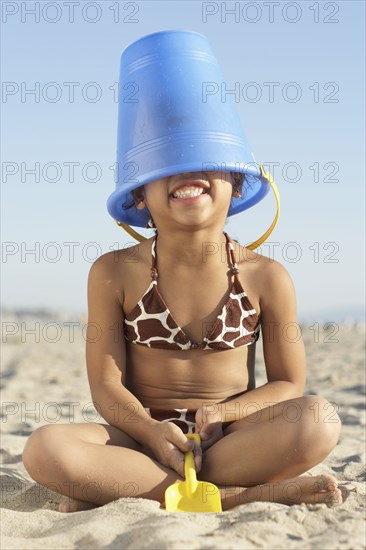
(252, 258)
(128, 256)
(123, 262)
(267, 273)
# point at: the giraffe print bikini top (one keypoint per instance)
(150, 322)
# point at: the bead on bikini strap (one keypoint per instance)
(154, 273)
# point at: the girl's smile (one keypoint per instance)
(189, 195)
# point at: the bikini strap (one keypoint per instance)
(232, 258)
(154, 272)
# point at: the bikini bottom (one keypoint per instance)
(183, 418)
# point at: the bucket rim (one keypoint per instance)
(237, 205)
(168, 31)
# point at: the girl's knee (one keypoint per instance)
(321, 424)
(42, 443)
(322, 413)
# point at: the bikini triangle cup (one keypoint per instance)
(251, 246)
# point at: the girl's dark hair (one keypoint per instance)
(237, 179)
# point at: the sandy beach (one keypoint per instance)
(44, 381)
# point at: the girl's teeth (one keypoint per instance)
(191, 192)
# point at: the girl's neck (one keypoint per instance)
(192, 250)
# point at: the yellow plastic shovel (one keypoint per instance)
(192, 495)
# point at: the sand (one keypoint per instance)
(44, 373)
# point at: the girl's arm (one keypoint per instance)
(106, 354)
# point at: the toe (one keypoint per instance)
(65, 506)
(333, 498)
(326, 483)
(322, 482)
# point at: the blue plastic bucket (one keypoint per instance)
(170, 123)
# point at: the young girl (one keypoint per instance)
(172, 330)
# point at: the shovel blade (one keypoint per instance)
(205, 498)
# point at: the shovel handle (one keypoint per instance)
(196, 438)
(189, 467)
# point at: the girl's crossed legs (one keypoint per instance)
(260, 457)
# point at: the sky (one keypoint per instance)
(299, 67)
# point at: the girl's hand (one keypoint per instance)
(209, 424)
(169, 443)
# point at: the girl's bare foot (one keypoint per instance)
(74, 505)
(310, 490)
(302, 489)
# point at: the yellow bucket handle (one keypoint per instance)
(253, 246)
